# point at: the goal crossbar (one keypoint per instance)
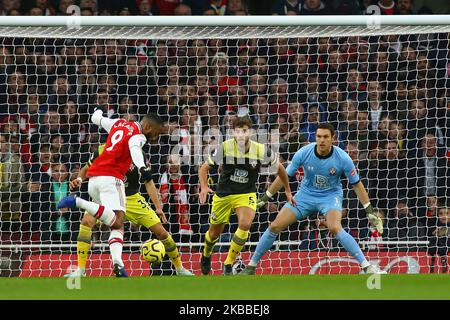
(208, 27)
(224, 21)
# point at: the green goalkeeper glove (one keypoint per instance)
(263, 200)
(374, 219)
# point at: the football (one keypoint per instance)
(153, 251)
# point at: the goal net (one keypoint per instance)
(383, 85)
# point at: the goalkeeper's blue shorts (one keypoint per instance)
(308, 205)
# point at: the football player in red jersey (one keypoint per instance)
(106, 176)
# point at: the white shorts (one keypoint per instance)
(107, 191)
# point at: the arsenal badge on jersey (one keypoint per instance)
(332, 171)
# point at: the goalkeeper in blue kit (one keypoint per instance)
(320, 191)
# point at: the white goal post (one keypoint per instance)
(327, 65)
(238, 27)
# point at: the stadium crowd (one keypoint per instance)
(387, 97)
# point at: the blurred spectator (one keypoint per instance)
(357, 218)
(35, 12)
(376, 104)
(397, 133)
(279, 55)
(387, 7)
(261, 106)
(7, 6)
(439, 237)
(403, 224)
(182, 10)
(333, 101)
(174, 195)
(29, 113)
(39, 192)
(59, 149)
(257, 86)
(89, 4)
(12, 125)
(313, 90)
(383, 128)
(227, 124)
(17, 88)
(221, 76)
(278, 96)
(46, 7)
(418, 123)
(236, 7)
(288, 137)
(428, 171)
(61, 228)
(167, 7)
(12, 178)
(283, 7)
(135, 83)
(296, 115)
(147, 7)
(52, 123)
(312, 123)
(209, 11)
(355, 87)
(348, 122)
(63, 7)
(60, 92)
(404, 7)
(86, 78)
(366, 138)
(386, 176)
(313, 7)
(346, 7)
(399, 101)
(210, 115)
(432, 202)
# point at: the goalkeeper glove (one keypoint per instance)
(146, 174)
(263, 199)
(374, 219)
(102, 109)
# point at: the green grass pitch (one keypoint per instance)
(403, 286)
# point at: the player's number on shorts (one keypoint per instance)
(143, 204)
(251, 201)
(116, 137)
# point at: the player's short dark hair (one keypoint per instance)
(242, 121)
(153, 118)
(327, 126)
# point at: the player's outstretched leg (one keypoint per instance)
(284, 219)
(171, 249)
(348, 242)
(211, 238)
(245, 219)
(99, 212)
(83, 245)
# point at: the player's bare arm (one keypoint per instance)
(101, 121)
(281, 181)
(76, 183)
(365, 201)
(203, 177)
(154, 196)
(284, 178)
